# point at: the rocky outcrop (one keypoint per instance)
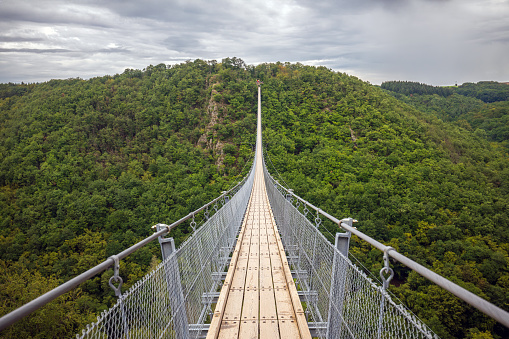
(209, 139)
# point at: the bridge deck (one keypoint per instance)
(259, 298)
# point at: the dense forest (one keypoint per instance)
(487, 119)
(486, 91)
(434, 190)
(411, 88)
(87, 166)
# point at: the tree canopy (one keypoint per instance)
(87, 166)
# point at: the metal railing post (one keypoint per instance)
(338, 280)
(343, 241)
(167, 244)
(174, 285)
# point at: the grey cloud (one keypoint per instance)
(183, 42)
(34, 50)
(18, 39)
(190, 13)
(48, 12)
(351, 7)
(424, 40)
(112, 50)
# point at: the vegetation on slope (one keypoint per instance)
(88, 166)
(486, 91)
(490, 121)
(411, 88)
(434, 191)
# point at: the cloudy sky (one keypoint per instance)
(438, 42)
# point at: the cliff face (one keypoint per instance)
(209, 139)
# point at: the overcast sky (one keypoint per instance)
(438, 42)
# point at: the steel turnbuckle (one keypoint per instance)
(386, 269)
(206, 214)
(116, 277)
(305, 211)
(289, 196)
(318, 220)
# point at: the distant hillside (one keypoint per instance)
(464, 106)
(487, 91)
(411, 88)
(88, 166)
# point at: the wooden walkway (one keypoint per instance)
(259, 298)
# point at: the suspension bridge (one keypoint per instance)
(257, 267)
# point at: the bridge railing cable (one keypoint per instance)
(221, 216)
(292, 214)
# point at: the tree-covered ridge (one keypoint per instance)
(410, 87)
(434, 191)
(10, 89)
(487, 91)
(490, 120)
(88, 166)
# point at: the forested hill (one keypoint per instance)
(435, 191)
(482, 108)
(88, 166)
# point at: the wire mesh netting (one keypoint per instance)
(340, 299)
(336, 293)
(173, 296)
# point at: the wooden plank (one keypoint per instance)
(266, 277)
(303, 325)
(239, 278)
(217, 318)
(233, 307)
(269, 329)
(251, 304)
(283, 303)
(288, 329)
(267, 304)
(248, 329)
(261, 299)
(264, 255)
(252, 277)
(278, 276)
(228, 330)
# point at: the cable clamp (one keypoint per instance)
(116, 277)
(193, 224)
(386, 269)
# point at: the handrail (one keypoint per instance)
(479, 303)
(42, 300)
